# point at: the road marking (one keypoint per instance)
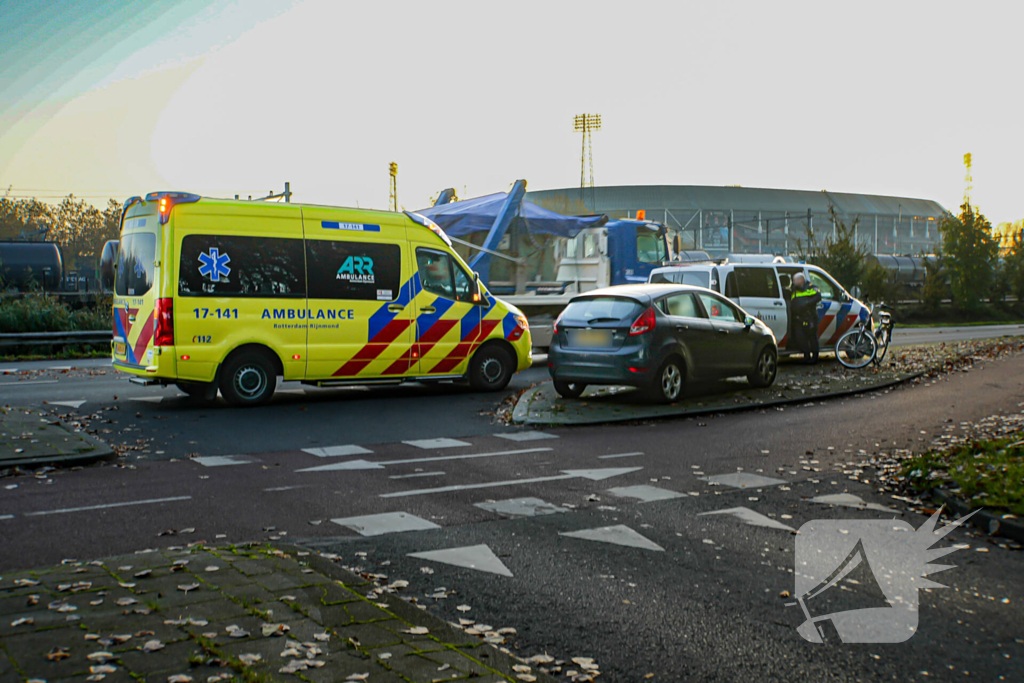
(525, 436)
(436, 443)
(742, 480)
(416, 474)
(850, 501)
(60, 367)
(385, 523)
(150, 399)
(70, 404)
(109, 505)
(478, 557)
(367, 465)
(334, 451)
(31, 381)
(620, 534)
(521, 507)
(645, 493)
(620, 455)
(223, 460)
(593, 475)
(748, 516)
(285, 488)
(6, 516)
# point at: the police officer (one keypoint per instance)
(803, 315)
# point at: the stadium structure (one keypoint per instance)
(732, 219)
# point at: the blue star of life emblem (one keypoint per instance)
(214, 265)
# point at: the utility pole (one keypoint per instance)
(586, 124)
(393, 172)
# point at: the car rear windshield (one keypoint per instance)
(601, 309)
(683, 277)
(135, 264)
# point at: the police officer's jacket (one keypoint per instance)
(804, 304)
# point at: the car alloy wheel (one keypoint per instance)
(671, 381)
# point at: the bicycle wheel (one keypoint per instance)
(856, 348)
(883, 337)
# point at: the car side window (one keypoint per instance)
(435, 272)
(825, 286)
(731, 290)
(682, 306)
(720, 310)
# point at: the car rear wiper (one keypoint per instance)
(602, 320)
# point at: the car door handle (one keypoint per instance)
(778, 303)
(396, 308)
(429, 309)
(722, 331)
(682, 327)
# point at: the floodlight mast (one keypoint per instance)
(586, 124)
(393, 172)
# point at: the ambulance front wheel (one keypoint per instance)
(248, 379)
(491, 369)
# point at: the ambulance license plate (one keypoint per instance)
(592, 339)
(119, 348)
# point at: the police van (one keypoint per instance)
(213, 294)
(763, 290)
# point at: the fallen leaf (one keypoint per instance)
(102, 669)
(463, 608)
(323, 637)
(179, 678)
(101, 657)
(274, 629)
(417, 630)
(124, 602)
(188, 587)
(58, 653)
(153, 646)
(24, 621)
(358, 677)
(249, 658)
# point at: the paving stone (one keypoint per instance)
(280, 581)
(249, 594)
(458, 660)
(172, 658)
(369, 635)
(253, 567)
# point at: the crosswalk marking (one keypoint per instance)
(593, 475)
(620, 534)
(742, 480)
(429, 444)
(645, 493)
(368, 465)
(751, 517)
(525, 436)
(385, 523)
(520, 507)
(478, 557)
(336, 451)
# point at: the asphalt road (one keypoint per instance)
(705, 606)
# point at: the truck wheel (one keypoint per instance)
(199, 390)
(763, 374)
(248, 379)
(491, 369)
(667, 384)
(569, 389)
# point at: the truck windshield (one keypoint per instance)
(650, 246)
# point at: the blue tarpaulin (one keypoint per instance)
(477, 215)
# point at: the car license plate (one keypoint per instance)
(592, 338)
(119, 348)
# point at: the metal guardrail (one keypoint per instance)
(56, 338)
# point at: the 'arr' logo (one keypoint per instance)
(357, 269)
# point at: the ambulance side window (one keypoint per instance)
(231, 265)
(340, 269)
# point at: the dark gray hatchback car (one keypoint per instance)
(655, 337)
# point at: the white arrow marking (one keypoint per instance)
(593, 475)
(748, 516)
(620, 534)
(478, 557)
(367, 465)
(70, 404)
(149, 399)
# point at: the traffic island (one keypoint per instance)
(796, 383)
(29, 438)
(254, 613)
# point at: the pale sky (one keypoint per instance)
(105, 98)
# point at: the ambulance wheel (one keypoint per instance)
(248, 379)
(491, 369)
(198, 390)
(569, 389)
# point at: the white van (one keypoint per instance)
(764, 290)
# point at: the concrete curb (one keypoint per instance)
(90, 450)
(520, 413)
(1009, 528)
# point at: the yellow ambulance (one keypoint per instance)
(228, 295)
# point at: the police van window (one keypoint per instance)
(731, 289)
(719, 310)
(828, 289)
(231, 265)
(365, 271)
(786, 274)
(650, 247)
(757, 282)
(135, 264)
(682, 306)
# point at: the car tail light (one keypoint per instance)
(554, 327)
(644, 323)
(163, 322)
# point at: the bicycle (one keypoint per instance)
(865, 343)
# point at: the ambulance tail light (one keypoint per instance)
(522, 325)
(163, 322)
(643, 324)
